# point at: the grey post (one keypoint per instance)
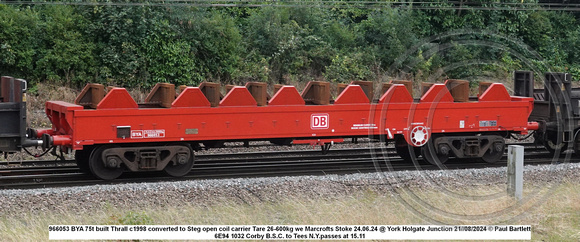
(515, 171)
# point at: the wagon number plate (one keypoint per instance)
(489, 123)
(148, 134)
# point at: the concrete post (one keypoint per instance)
(515, 171)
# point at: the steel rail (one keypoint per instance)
(256, 167)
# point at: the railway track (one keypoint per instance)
(244, 155)
(258, 164)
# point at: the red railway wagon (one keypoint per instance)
(113, 134)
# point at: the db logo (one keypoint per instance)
(319, 121)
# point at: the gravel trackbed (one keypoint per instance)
(248, 190)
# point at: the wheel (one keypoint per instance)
(98, 167)
(82, 159)
(403, 149)
(494, 153)
(183, 166)
(552, 145)
(430, 154)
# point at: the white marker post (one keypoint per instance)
(515, 164)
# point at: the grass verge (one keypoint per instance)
(554, 216)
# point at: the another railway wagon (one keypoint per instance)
(556, 109)
(110, 133)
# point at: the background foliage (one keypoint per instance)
(140, 45)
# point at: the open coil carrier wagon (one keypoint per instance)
(111, 133)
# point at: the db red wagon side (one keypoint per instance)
(116, 134)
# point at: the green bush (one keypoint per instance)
(130, 218)
(19, 32)
(141, 45)
(348, 67)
